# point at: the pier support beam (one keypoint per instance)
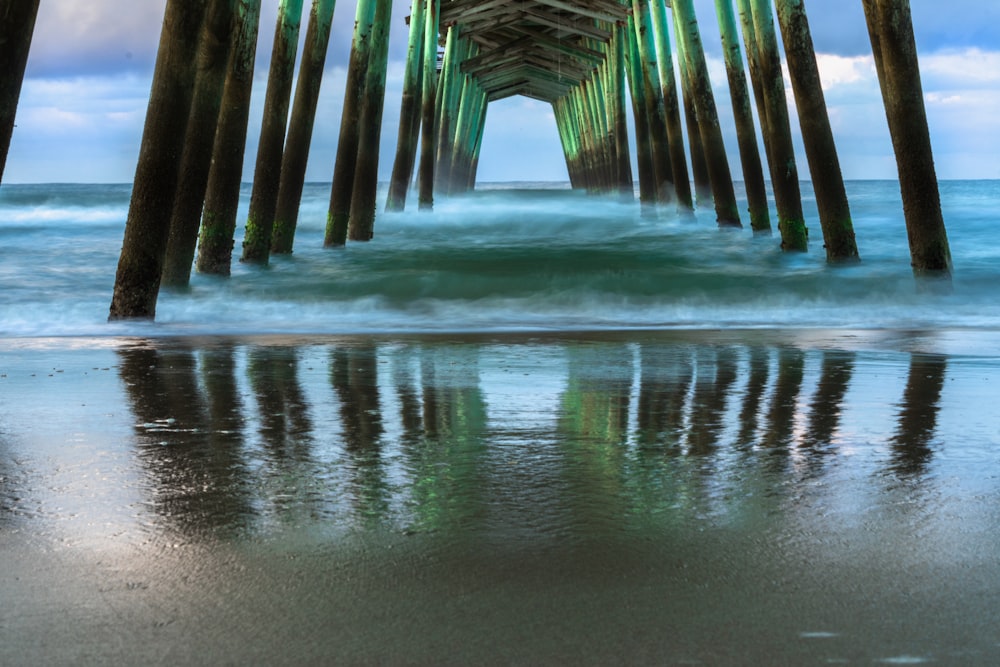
(295, 157)
(428, 130)
(814, 120)
(644, 152)
(723, 192)
(213, 63)
(777, 129)
(267, 172)
(753, 169)
(655, 109)
(344, 169)
(409, 112)
(361, 223)
(890, 27)
(222, 198)
(17, 25)
(140, 265)
(671, 105)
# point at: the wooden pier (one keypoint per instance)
(591, 60)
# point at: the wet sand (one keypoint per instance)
(752, 497)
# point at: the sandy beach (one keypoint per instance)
(692, 497)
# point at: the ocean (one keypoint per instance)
(530, 427)
(510, 257)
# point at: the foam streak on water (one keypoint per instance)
(502, 259)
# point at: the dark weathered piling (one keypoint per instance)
(671, 105)
(295, 157)
(362, 219)
(213, 63)
(699, 166)
(890, 27)
(777, 131)
(726, 210)
(655, 110)
(449, 94)
(222, 197)
(623, 161)
(644, 153)
(753, 170)
(428, 131)
(17, 25)
(342, 189)
(409, 113)
(267, 172)
(814, 120)
(137, 281)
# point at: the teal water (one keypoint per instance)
(503, 259)
(533, 427)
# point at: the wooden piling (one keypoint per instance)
(671, 105)
(409, 112)
(723, 192)
(623, 162)
(137, 280)
(342, 190)
(644, 153)
(295, 157)
(817, 135)
(746, 133)
(890, 27)
(213, 63)
(777, 132)
(448, 95)
(222, 196)
(267, 172)
(428, 131)
(17, 25)
(696, 147)
(361, 224)
(655, 110)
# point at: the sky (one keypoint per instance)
(83, 103)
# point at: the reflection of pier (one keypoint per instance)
(428, 435)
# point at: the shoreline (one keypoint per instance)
(956, 341)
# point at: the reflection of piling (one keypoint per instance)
(213, 59)
(918, 413)
(362, 217)
(777, 130)
(222, 198)
(300, 128)
(891, 30)
(720, 177)
(267, 172)
(17, 25)
(342, 189)
(147, 228)
(824, 165)
(827, 403)
(753, 170)
(409, 113)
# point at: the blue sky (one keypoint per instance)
(85, 92)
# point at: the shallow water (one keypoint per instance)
(532, 427)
